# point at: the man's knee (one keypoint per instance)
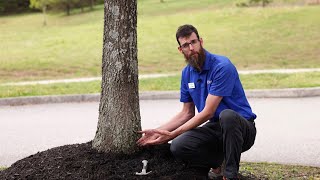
(176, 147)
(228, 118)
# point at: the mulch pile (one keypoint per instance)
(80, 161)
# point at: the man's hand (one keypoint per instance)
(154, 136)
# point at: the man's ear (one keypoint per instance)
(201, 41)
(179, 48)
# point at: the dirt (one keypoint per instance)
(80, 161)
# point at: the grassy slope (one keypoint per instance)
(259, 81)
(254, 38)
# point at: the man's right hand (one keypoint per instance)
(147, 136)
(155, 136)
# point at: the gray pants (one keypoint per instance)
(207, 146)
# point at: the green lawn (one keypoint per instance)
(278, 171)
(279, 36)
(257, 81)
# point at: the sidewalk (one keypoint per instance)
(144, 76)
(147, 76)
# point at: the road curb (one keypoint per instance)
(156, 95)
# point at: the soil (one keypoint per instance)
(80, 161)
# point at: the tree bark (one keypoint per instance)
(91, 4)
(44, 12)
(119, 112)
(68, 9)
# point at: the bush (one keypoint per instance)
(253, 3)
(13, 6)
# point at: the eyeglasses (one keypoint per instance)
(186, 45)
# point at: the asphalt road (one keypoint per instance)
(288, 129)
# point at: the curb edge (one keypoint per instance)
(156, 95)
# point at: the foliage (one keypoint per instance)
(39, 4)
(253, 3)
(16, 6)
(65, 5)
(13, 6)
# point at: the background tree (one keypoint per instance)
(42, 5)
(119, 114)
(253, 3)
(65, 5)
(263, 2)
(13, 6)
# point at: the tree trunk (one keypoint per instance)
(91, 4)
(44, 12)
(68, 9)
(119, 114)
(81, 6)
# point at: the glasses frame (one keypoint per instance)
(186, 46)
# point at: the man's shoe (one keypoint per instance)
(215, 173)
(218, 172)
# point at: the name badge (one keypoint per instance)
(191, 85)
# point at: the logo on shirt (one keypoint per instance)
(209, 82)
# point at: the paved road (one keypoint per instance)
(288, 129)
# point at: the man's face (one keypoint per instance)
(191, 48)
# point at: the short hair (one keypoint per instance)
(185, 31)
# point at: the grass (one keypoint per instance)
(71, 46)
(257, 81)
(279, 171)
(277, 81)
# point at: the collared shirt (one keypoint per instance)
(218, 77)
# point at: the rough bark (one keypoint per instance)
(119, 114)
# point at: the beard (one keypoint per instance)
(196, 59)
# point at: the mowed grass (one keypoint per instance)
(278, 171)
(172, 83)
(71, 46)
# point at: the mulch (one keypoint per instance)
(81, 162)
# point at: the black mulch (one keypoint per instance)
(80, 161)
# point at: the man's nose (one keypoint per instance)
(191, 47)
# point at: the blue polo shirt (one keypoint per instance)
(218, 77)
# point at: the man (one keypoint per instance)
(211, 84)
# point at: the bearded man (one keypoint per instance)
(210, 83)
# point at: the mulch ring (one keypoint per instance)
(80, 161)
